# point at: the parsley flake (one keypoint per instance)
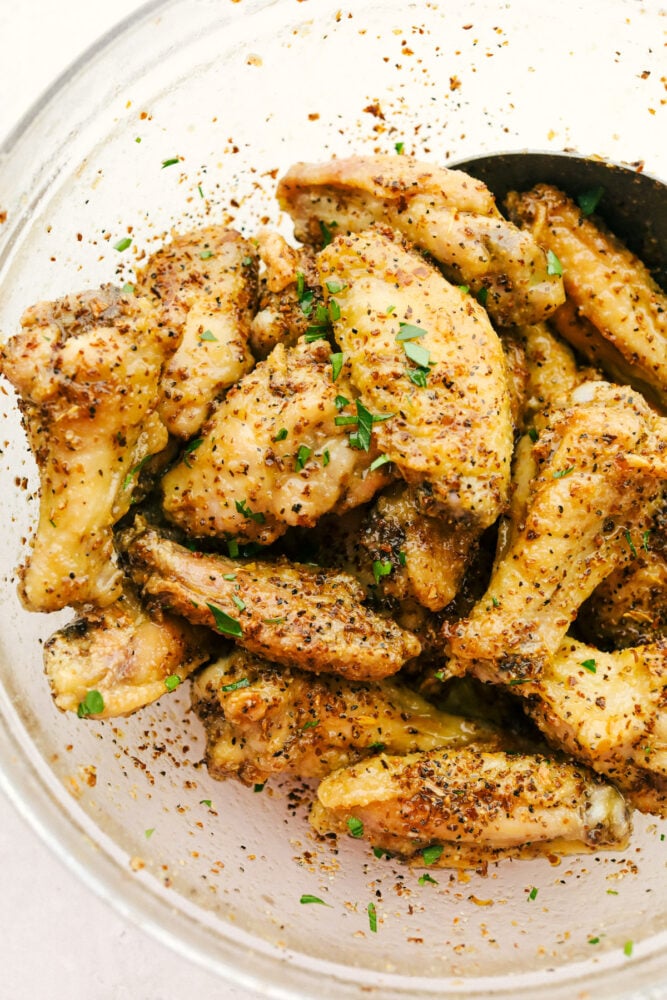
(307, 898)
(189, 448)
(128, 288)
(399, 147)
(589, 200)
(122, 244)
(302, 456)
(631, 544)
(171, 682)
(334, 286)
(208, 335)
(242, 508)
(355, 826)
(627, 948)
(170, 163)
(482, 296)
(589, 665)
(205, 254)
(431, 854)
(379, 461)
(418, 354)
(340, 402)
(281, 435)
(326, 457)
(311, 724)
(381, 567)
(533, 893)
(418, 376)
(258, 787)
(224, 623)
(408, 331)
(554, 266)
(423, 879)
(562, 473)
(236, 685)
(92, 704)
(372, 918)
(325, 229)
(336, 365)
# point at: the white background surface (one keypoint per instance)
(58, 939)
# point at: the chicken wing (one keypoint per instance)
(430, 370)
(292, 614)
(204, 288)
(445, 212)
(608, 710)
(600, 466)
(467, 806)
(289, 295)
(127, 655)
(87, 370)
(623, 310)
(262, 720)
(275, 453)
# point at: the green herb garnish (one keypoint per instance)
(379, 461)
(562, 473)
(589, 665)
(533, 893)
(408, 331)
(302, 456)
(381, 567)
(225, 624)
(589, 200)
(355, 826)
(307, 898)
(122, 244)
(171, 162)
(92, 704)
(325, 229)
(554, 266)
(236, 685)
(431, 854)
(171, 682)
(281, 435)
(423, 879)
(372, 917)
(208, 335)
(336, 365)
(242, 508)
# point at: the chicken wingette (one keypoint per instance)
(203, 286)
(275, 453)
(430, 372)
(622, 309)
(262, 720)
(445, 212)
(124, 653)
(600, 466)
(289, 613)
(464, 807)
(87, 370)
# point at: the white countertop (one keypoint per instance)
(60, 940)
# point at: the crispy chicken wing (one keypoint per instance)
(600, 465)
(622, 310)
(204, 287)
(87, 370)
(466, 806)
(608, 710)
(289, 613)
(430, 370)
(445, 212)
(124, 653)
(289, 294)
(262, 719)
(274, 453)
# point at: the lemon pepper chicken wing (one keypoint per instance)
(616, 314)
(430, 371)
(124, 653)
(445, 212)
(291, 614)
(466, 806)
(262, 719)
(203, 285)
(289, 294)
(274, 453)
(601, 463)
(87, 370)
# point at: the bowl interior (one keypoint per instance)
(239, 93)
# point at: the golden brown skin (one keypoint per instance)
(607, 285)
(203, 285)
(289, 294)
(608, 710)
(263, 720)
(420, 557)
(291, 614)
(477, 805)
(598, 482)
(272, 454)
(453, 435)
(445, 212)
(125, 653)
(87, 370)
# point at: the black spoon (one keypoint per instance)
(633, 204)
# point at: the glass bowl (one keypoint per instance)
(238, 91)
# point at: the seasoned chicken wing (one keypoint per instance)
(204, 287)
(608, 710)
(466, 806)
(445, 212)
(289, 295)
(622, 310)
(262, 720)
(87, 371)
(127, 655)
(292, 614)
(600, 465)
(275, 453)
(430, 370)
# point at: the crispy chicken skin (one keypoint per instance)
(419, 556)
(204, 288)
(125, 653)
(87, 369)
(272, 454)
(477, 805)
(291, 614)
(607, 286)
(445, 212)
(608, 710)
(599, 464)
(262, 720)
(452, 433)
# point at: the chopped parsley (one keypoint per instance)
(134, 471)
(645, 538)
(589, 665)
(482, 296)
(281, 435)
(128, 288)
(258, 786)
(302, 456)
(408, 331)
(311, 724)
(149, 833)
(431, 854)
(171, 162)
(171, 682)
(372, 918)
(326, 457)
(533, 893)
(418, 354)
(532, 434)
(423, 879)
(379, 461)
(399, 147)
(334, 286)
(236, 685)
(189, 448)
(381, 567)
(418, 376)
(242, 508)
(562, 473)
(325, 229)
(355, 826)
(340, 402)
(631, 544)
(224, 623)
(627, 948)
(208, 335)
(336, 365)
(403, 557)
(589, 200)
(122, 244)
(554, 266)
(205, 254)
(315, 333)
(205, 802)
(361, 438)
(92, 704)
(241, 605)
(307, 898)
